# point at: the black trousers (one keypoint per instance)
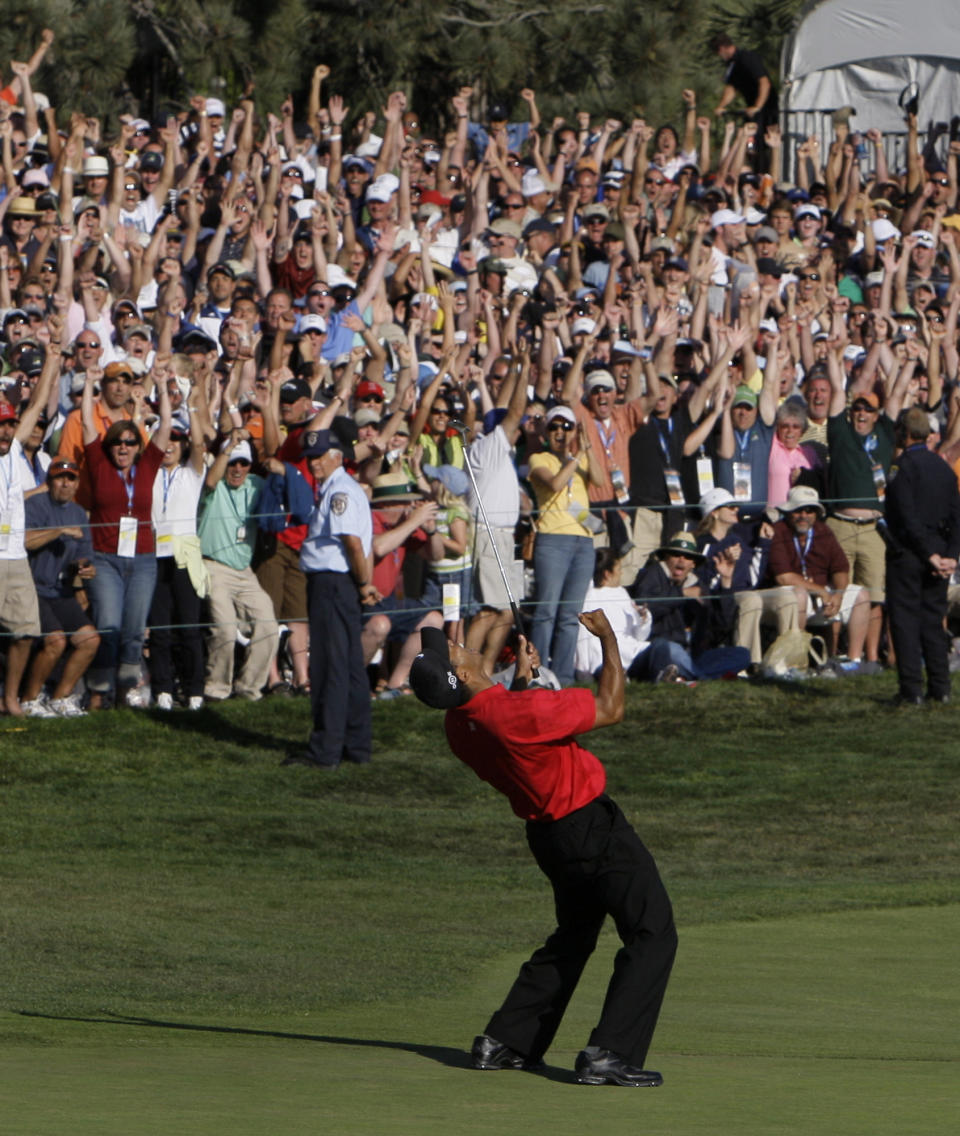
(917, 605)
(176, 639)
(339, 691)
(598, 866)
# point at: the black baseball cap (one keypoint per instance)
(432, 678)
(294, 389)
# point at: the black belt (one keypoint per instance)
(856, 520)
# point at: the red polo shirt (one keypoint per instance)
(523, 744)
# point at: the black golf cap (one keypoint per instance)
(432, 678)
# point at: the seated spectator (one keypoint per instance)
(721, 531)
(689, 624)
(61, 560)
(402, 523)
(631, 624)
(804, 554)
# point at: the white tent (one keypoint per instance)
(863, 54)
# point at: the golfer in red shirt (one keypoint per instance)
(523, 742)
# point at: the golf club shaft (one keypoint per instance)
(518, 623)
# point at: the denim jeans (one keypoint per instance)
(713, 663)
(563, 566)
(120, 594)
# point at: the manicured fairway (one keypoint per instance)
(840, 1023)
(193, 940)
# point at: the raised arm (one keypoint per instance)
(611, 683)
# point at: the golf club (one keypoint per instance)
(463, 430)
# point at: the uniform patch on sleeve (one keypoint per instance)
(339, 502)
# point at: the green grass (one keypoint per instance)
(194, 939)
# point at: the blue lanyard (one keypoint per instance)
(870, 444)
(606, 442)
(804, 552)
(130, 486)
(743, 440)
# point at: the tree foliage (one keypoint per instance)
(610, 57)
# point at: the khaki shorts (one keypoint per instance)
(486, 575)
(19, 611)
(867, 553)
(815, 617)
(282, 578)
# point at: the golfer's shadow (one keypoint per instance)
(442, 1054)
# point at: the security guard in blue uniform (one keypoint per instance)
(336, 557)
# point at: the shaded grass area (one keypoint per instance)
(168, 862)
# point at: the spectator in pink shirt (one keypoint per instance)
(791, 461)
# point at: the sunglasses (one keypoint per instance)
(806, 509)
(441, 412)
(372, 398)
(941, 181)
(809, 276)
(126, 443)
(239, 461)
(319, 292)
(93, 346)
(561, 424)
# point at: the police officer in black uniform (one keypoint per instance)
(923, 521)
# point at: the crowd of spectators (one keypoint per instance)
(695, 367)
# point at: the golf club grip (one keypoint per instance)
(518, 627)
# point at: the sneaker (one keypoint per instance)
(38, 708)
(195, 702)
(870, 667)
(671, 673)
(606, 1068)
(68, 707)
(164, 701)
(137, 697)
